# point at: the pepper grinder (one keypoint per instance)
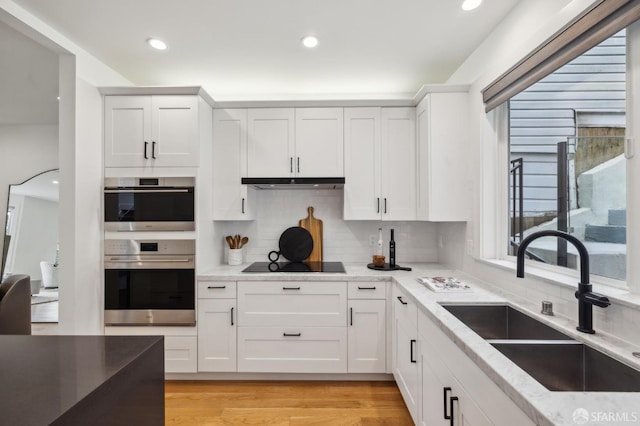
(392, 252)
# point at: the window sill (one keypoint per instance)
(616, 295)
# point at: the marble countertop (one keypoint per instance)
(44, 377)
(544, 407)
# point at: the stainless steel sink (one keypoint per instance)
(503, 322)
(571, 366)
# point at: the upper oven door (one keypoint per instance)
(149, 204)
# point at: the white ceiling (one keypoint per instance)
(28, 80)
(250, 49)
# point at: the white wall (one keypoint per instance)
(346, 241)
(35, 237)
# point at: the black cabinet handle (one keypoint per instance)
(232, 315)
(213, 287)
(366, 288)
(444, 402)
(412, 343)
(350, 316)
(146, 157)
(291, 164)
(291, 288)
(298, 164)
(385, 206)
(243, 206)
(292, 334)
(453, 398)
(153, 150)
(402, 301)
(378, 204)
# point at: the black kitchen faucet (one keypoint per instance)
(586, 297)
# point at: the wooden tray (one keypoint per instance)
(314, 226)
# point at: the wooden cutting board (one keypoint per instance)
(314, 226)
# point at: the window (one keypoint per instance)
(567, 165)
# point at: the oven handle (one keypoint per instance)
(144, 191)
(151, 260)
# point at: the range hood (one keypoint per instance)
(295, 183)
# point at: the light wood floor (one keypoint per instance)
(286, 403)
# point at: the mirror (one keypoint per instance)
(31, 232)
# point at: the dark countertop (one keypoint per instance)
(42, 378)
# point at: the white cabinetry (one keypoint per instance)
(151, 131)
(292, 327)
(367, 327)
(231, 199)
(404, 349)
(217, 326)
(442, 135)
(380, 164)
(450, 379)
(295, 142)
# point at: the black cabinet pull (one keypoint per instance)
(402, 301)
(153, 150)
(453, 398)
(298, 164)
(146, 157)
(412, 343)
(385, 206)
(378, 204)
(291, 288)
(292, 334)
(444, 402)
(243, 206)
(213, 287)
(350, 316)
(366, 288)
(291, 164)
(232, 315)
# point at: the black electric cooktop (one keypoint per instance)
(295, 267)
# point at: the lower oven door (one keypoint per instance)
(149, 297)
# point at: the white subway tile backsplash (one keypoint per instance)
(346, 241)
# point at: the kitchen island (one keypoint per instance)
(81, 380)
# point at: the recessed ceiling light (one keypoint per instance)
(55, 182)
(470, 4)
(310, 41)
(157, 44)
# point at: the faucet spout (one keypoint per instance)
(586, 297)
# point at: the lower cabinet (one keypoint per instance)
(405, 356)
(291, 349)
(180, 354)
(367, 336)
(217, 325)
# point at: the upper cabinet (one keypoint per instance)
(151, 131)
(380, 164)
(231, 199)
(295, 142)
(442, 132)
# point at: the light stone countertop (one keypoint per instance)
(544, 407)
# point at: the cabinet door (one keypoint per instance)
(367, 336)
(180, 354)
(362, 198)
(230, 197)
(217, 335)
(432, 397)
(270, 150)
(319, 142)
(127, 131)
(398, 163)
(405, 369)
(442, 193)
(174, 135)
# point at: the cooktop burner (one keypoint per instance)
(295, 267)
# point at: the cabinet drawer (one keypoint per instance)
(292, 303)
(216, 289)
(180, 354)
(292, 349)
(404, 308)
(367, 290)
